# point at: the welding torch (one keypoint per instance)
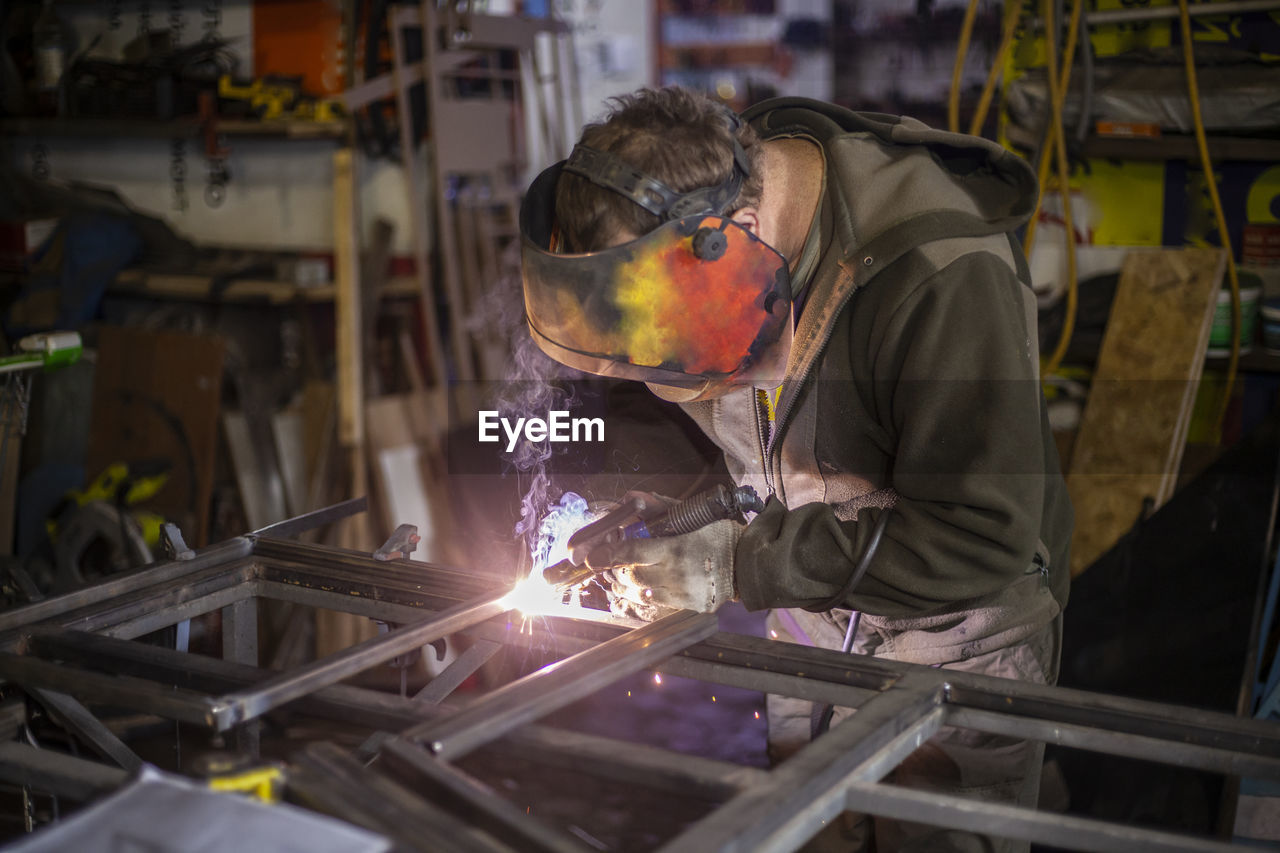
(643, 516)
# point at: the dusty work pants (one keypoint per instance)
(1015, 634)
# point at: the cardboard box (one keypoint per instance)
(20, 239)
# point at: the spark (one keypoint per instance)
(657, 678)
(757, 715)
(773, 634)
(532, 595)
(628, 694)
(713, 698)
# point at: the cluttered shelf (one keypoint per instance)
(1257, 360)
(287, 128)
(1164, 147)
(1181, 148)
(204, 287)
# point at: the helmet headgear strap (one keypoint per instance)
(610, 172)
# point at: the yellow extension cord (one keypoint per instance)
(1059, 84)
(1012, 14)
(1211, 180)
(962, 50)
(1055, 139)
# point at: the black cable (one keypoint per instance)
(873, 544)
(855, 616)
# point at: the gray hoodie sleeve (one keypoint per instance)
(950, 374)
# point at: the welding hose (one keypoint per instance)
(1012, 15)
(957, 72)
(1059, 82)
(855, 616)
(1206, 165)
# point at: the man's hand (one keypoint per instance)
(654, 577)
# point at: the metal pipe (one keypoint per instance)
(154, 618)
(462, 668)
(811, 817)
(336, 783)
(62, 775)
(562, 683)
(502, 819)
(1160, 13)
(89, 728)
(287, 686)
(1117, 743)
(650, 766)
(787, 808)
(122, 690)
(214, 555)
(820, 675)
(1116, 714)
(311, 520)
(1054, 830)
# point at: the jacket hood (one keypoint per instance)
(911, 183)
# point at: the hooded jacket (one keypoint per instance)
(913, 382)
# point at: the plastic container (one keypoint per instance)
(1220, 335)
(1271, 325)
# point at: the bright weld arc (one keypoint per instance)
(532, 595)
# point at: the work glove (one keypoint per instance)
(652, 578)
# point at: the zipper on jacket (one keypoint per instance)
(764, 436)
(780, 415)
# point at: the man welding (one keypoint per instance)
(838, 300)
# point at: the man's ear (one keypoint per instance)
(748, 217)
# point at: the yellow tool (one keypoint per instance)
(233, 773)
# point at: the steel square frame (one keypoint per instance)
(79, 647)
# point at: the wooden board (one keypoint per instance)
(156, 395)
(1134, 427)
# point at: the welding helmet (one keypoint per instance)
(697, 300)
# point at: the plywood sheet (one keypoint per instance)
(1134, 427)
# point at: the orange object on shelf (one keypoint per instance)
(303, 38)
(1128, 129)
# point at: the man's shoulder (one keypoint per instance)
(819, 119)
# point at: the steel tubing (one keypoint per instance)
(287, 686)
(216, 555)
(1058, 831)
(562, 683)
(61, 775)
(1164, 750)
(815, 814)
(154, 618)
(1155, 13)
(789, 807)
(336, 783)
(626, 762)
(1114, 713)
(500, 817)
(462, 668)
(80, 721)
(122, 690)
(316, 518)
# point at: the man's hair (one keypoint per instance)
(679, 136)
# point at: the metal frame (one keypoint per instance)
(80, 645)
